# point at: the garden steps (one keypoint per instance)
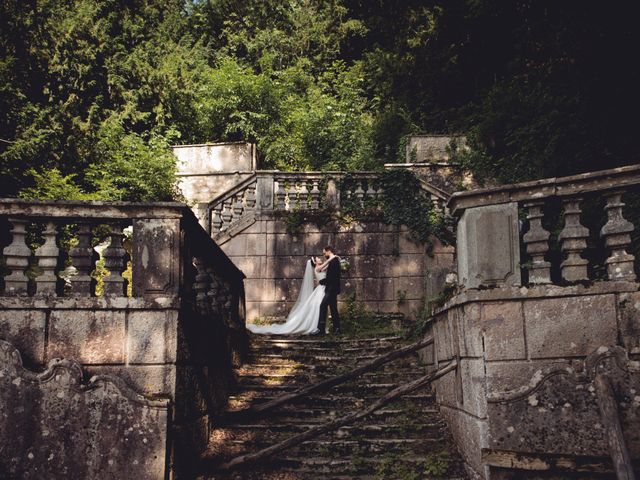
(407, 435)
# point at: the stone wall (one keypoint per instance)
(388, 273)
(507, 342)
(433, 148)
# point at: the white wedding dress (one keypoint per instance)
(303, 317)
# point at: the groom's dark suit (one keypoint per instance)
(330, 300)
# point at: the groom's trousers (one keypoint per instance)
(330, 300)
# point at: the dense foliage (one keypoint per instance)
(92, 93)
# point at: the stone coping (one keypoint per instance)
(89, 303)
(91, 209)
(612, 179)
(213, 144)
(535, 292)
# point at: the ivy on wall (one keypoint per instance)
(401, 201)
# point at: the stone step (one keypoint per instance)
(406, 430)
(304, 340)
(324, 400)
(383, 430)
(300, 378)
(321, 414)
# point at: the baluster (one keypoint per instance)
(371, 192)
(293, 195)
(47, 258)
(227, 215)
(360, 194)
(16, 256)
(315, 195)
(115, 260)
(574, 241)
(251, 196)
(237, 206)
(303, 195)
(216, 218)
(201, 285)
(537, 242)
(82, 258)
(281, 195)
(616, 233)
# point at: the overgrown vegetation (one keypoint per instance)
(357, 321)
(93, 93)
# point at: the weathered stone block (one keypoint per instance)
(236, 246)
(378, 289)
(489, 246)
(469, 329)
(629, 308)
(344, 244)
(286, 266)
(445, 388)
(503, 327)
(315, 242)
(152, 336)
(408, 246)
(566, 327)
(259, 290)
(411, 287)
(250, 266)
(407, 265)
(256, 245)
(156, 262)
(443, 339)
(287, 289)
(287, 244)
(26, 330)
(87, 336)
(150, 380)
(471, 435)
(115, 433)
(473, 386)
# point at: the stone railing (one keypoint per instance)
(490, 235)
(163, 243)
(174, 334)
(288, 191)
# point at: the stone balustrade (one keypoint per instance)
(491, 236)
(63, 260)
(174, 334)
(286, 191)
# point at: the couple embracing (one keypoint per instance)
(309, 313)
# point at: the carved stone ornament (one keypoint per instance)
(53, 426)
(557, 411)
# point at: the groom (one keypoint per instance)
(332, 289)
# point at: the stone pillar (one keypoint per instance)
(488, 246)
(332, 196)
(264, 193)
(156, 257)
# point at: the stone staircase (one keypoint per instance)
(404, 440)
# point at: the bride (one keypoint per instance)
(303, 317)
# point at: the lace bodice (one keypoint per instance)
(320, 275)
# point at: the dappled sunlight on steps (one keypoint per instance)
(404, 440)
